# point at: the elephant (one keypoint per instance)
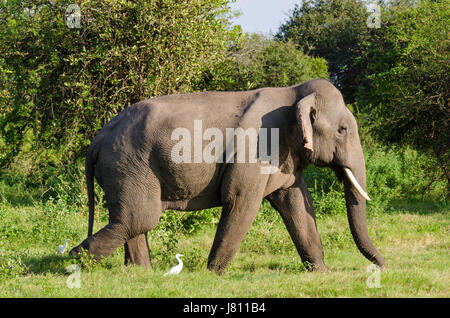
(132, 159)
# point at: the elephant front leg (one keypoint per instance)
(296, 209)
(137, 251)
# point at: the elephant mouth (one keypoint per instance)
(339, 172)
(345, 172)
(320, 163)
(355, 183)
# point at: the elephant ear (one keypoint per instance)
(303, 111)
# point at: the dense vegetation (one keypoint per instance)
(408, 82)
(63, 84)
(397, 74)
(59, 85)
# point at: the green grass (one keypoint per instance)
(413, 238)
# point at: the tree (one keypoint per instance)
(256, 61)
(65, 75)
(334, 30)
(408, 83)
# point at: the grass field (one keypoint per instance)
(413, 237)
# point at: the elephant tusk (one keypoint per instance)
(355, 183)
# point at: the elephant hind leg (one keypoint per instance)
(104, 242)
(137, 251)
(132, 213)
(133, 235)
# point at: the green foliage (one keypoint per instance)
(404, 173)
(256, 61)
(11, 266)
(59, 85)
(89, 264)
(173, 225)
(28, 186)
(409, 87)
(63, 84)
(187, 223)
(414, 243)
(334, 30)
(392, 174)
(396, 74)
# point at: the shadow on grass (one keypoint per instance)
(55, 264)
(421, 207)
(272, 266)
(18, 200)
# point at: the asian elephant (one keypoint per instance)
(132, 158)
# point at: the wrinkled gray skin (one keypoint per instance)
(131, 160)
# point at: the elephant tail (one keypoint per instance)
(89, 167)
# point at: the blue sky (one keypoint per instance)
(263, 16)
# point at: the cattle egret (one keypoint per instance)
(62, 248)
(176, 269)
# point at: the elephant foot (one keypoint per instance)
(382, 266)
(216, 268)
(318, 267)
(76, 252)
(80, 252)
(141, 261)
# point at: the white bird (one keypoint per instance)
(176, 269)
(62, 248)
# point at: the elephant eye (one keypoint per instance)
(342, 130)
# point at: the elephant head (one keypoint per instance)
(329, 137)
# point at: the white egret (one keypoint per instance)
(176, 269)
(62, 248)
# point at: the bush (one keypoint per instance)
(188, 222)
(326, 191)
(397, 73)
(409, 87)
(334, 30)
(400, 173)
(256, 61)
(60, 85)
(392, 173)
(33, 185)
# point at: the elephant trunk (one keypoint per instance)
(356, 212)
